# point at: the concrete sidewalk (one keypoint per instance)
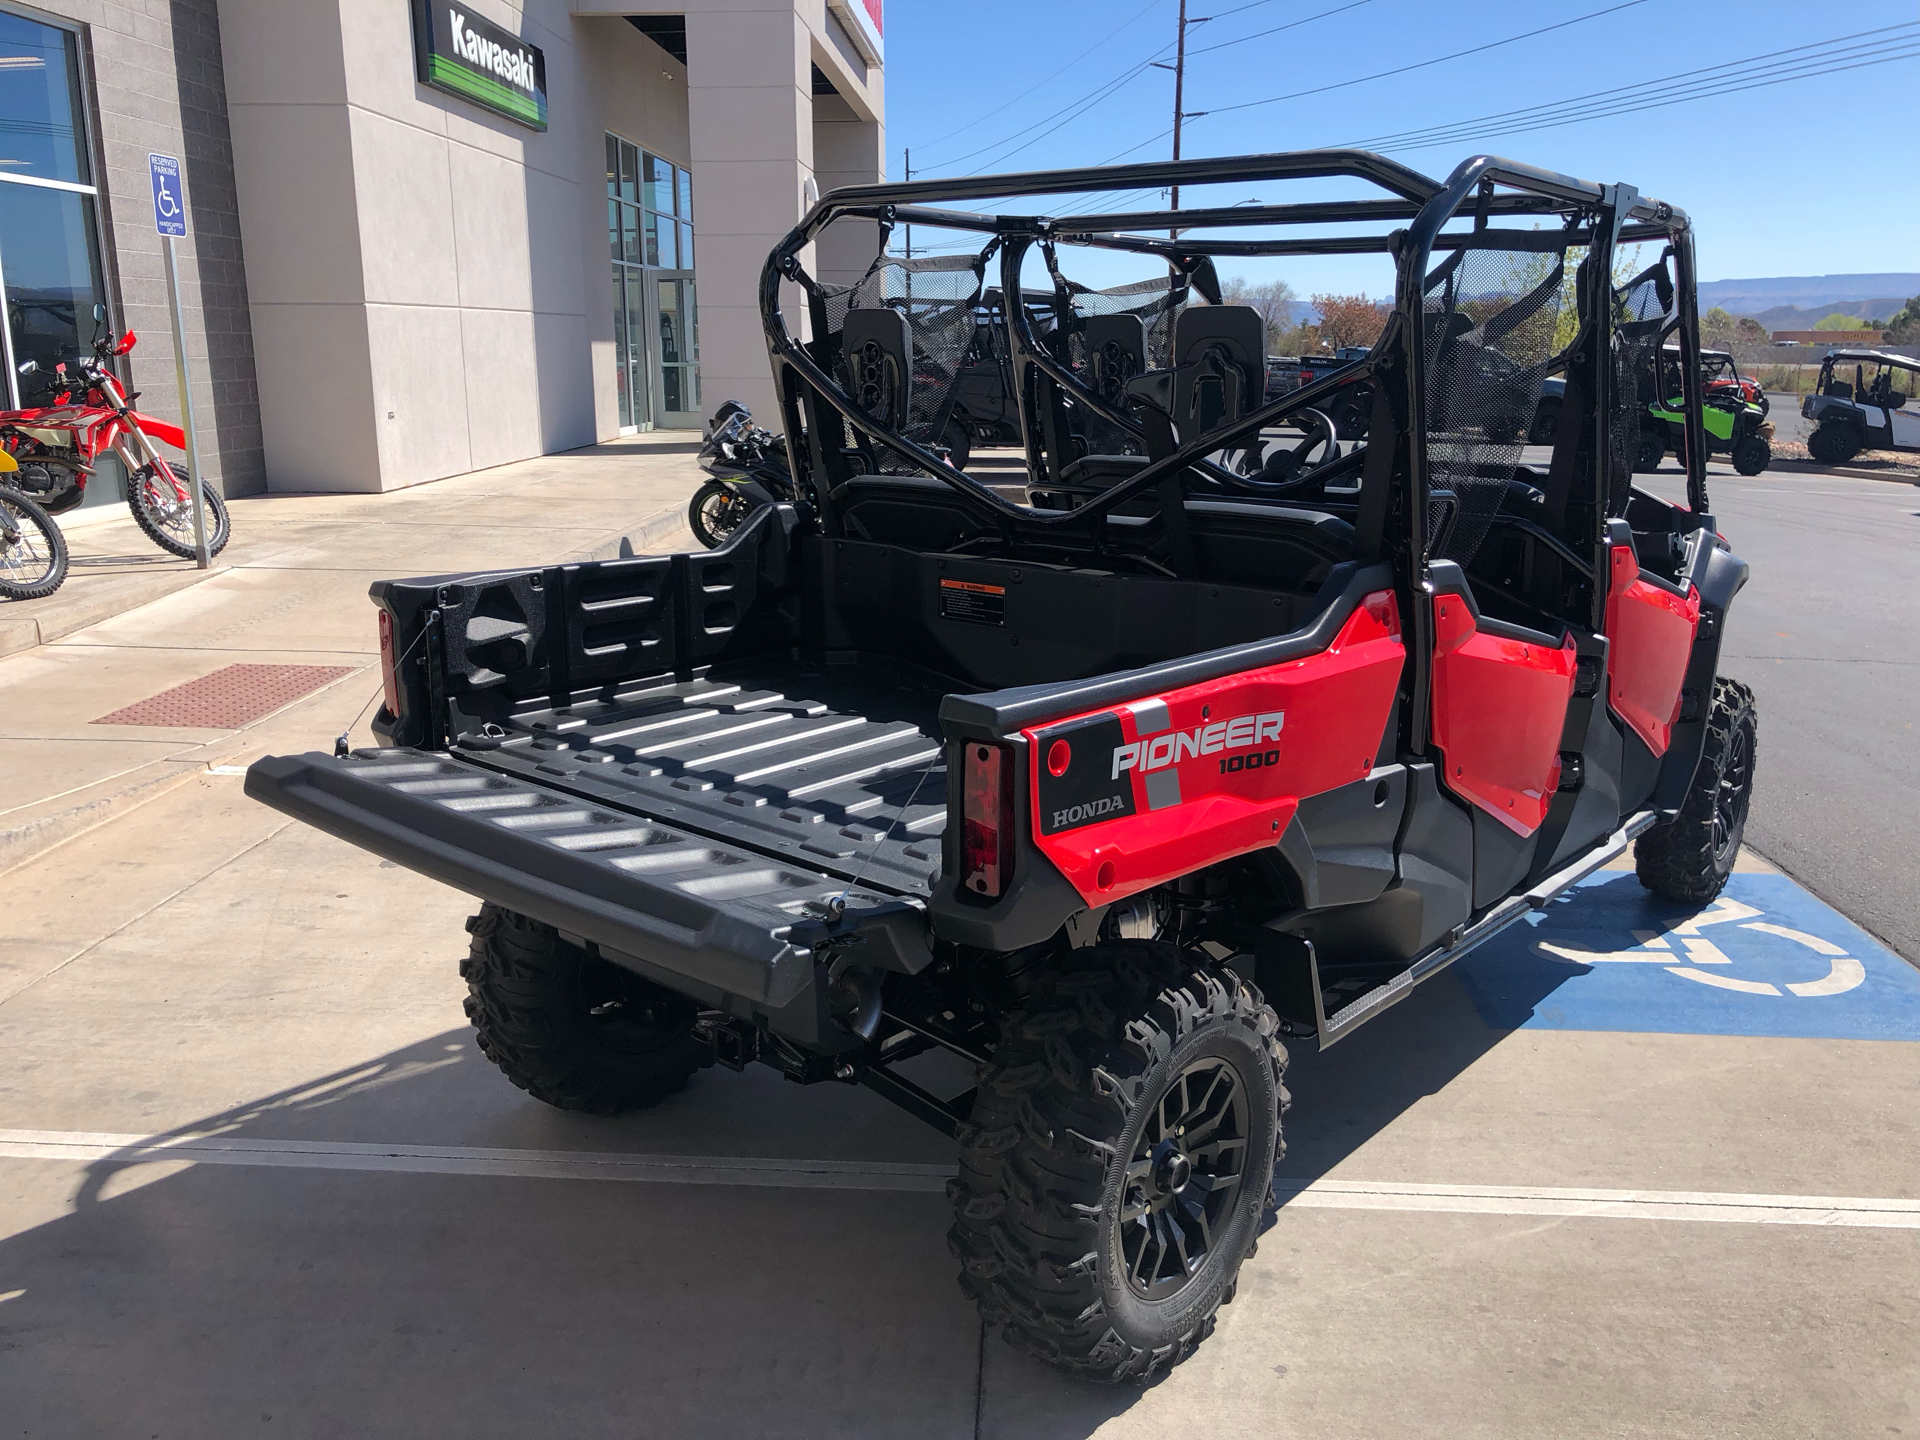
(290, 589)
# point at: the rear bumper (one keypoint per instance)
(723, 921)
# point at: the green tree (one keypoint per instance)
(1750, 331)
(1837, 321)
(1718, 329)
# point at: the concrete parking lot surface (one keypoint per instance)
(1635, 1170)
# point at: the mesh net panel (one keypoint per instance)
(1490, 318)
(1643, 312)
(1156, 302)
(938, 295)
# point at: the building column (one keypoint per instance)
(750, 121)
(846, 151)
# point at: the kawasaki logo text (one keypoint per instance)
(1177, 745)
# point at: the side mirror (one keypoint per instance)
(28, 367)
(99, 312)
(127, 342)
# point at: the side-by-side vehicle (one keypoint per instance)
(1230, 735)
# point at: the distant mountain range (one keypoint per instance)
(1796, 302)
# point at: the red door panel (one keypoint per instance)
(1650, 639)
(1498, 708)
(1143, 793)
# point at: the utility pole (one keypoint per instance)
(1179, 68)
(1179, 95)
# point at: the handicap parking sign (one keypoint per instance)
(1765, 958)
(169, 206)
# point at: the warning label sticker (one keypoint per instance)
(973, 603)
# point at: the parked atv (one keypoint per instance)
(1873, 410)
(1110, 801)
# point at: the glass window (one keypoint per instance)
(49, 232)
(48, 249)
(659, 192)
(629, 173)
(613, 227)
(613, 167)
(686, 195)
(40, 130)
(686, 247)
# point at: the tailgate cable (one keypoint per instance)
(340, 750)
(837, 906)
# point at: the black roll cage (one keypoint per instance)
(1596, 215)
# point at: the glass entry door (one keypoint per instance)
(673, 328)
(630, 347)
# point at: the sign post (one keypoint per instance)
(170, 219)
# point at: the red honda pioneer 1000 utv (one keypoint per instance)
(1109, 795)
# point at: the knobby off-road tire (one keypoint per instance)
(1069, 1195)
(33, 565)
(568, 1028)
(168, 520)
(1833, 444)
(1690, 857)
(1651, 451)
(1751, 455)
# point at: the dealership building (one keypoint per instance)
(424, 236)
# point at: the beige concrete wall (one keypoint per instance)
(431, 285)
(435, 293)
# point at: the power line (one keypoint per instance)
(1092, 97)
(1424, 64)
(1109, 36)
(1290, 25)
(1671, 89)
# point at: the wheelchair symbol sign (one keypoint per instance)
(1685, 943)
(169, 213)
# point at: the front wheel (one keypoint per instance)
(1751, 454)
(1690, 857)
(1546, 423)
(33, 551)
(164, 509)
(715, 512)
(1118, 1162)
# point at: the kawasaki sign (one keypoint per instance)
(464, 55)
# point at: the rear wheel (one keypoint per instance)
(569, 1028)
(165, 511)
(33, 551)
(1690, 857)
(1546, 423)
(715, 512)
(1834, 444)
(1118, 1163)
(1751, 454)
(1350, 420)
(1653, 449)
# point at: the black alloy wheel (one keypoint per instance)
(715, 512)
(1546, 423)
(1834, 444)
(1751, 454)
(1653, 449)
(1732, 795)
(1183, 1178)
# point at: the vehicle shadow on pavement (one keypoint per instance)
(203, 1298)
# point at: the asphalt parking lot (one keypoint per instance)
(1631, 1171)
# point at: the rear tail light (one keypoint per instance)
(986, 834)
(389, 668)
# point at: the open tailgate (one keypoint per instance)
(715, 913)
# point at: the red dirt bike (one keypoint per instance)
(89, 414)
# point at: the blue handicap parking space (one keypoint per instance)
(1765, 958)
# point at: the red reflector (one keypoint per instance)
(986, 836)
(389, 671)
(1059, 757)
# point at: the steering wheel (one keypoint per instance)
(1286, 467)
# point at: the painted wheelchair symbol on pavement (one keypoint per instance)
(1844, 972)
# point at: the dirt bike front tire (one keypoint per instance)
(168, 520)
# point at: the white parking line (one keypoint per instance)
(87, 1146)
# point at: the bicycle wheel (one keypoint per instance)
(165, 512)
(33, 552)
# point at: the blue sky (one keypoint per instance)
(1783, 180)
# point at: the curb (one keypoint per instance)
(1810, 467)
(27, 840)
(651, 532)
(62, 616)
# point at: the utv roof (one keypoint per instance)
(1877, 357)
